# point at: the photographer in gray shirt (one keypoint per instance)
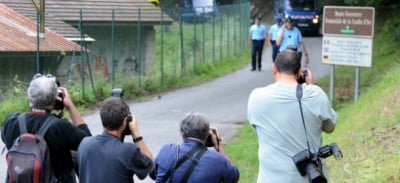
(273, 112)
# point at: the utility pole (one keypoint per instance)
(41, 10)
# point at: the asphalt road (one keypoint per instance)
(223, 100)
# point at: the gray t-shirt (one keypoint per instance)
(274, 113)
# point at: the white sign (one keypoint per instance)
(347, 51)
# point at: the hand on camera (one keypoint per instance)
(306, 77)
(68, 103)
(133, 127)
(216, 138)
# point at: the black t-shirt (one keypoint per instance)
(61, 137)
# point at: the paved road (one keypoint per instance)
(224, 100)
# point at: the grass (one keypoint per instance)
(367, 130)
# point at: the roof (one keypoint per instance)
(100, 11)
(18, 34)
(27, 9)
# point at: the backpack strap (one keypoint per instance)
(22, 123)
(180, 162)
(43, 129)
(194, 163)
(49, 121)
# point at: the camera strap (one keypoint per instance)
(299, 95)
(179, 162)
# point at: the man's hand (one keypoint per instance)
(216, 138)
(133, 127)
(309, 77)
(67, 99)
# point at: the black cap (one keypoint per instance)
(289, 20)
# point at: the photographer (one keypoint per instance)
(191, 161)
(62, 136)
(106, 158)
(275, 115)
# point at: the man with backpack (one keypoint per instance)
(61, 136)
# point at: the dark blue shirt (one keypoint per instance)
(105, 158)
(213, 167)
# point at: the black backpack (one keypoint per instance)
(28, 159)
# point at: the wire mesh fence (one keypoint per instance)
(138, 50)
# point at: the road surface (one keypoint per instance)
(223, 100)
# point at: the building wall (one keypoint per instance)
(126, 50)
(23, 67)
(100, 56)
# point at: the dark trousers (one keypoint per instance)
(275, 50)
(256, 52)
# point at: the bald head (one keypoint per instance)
(288, 61)
(42, 92)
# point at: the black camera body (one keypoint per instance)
(302, 78)
(209, 142)
(309, 163)
(59, 105)
(117, 92)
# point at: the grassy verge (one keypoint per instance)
(367, 130)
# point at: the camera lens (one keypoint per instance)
(313, 174)
(336, 151)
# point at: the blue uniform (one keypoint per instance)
(257, 34)
(274, 32)
(212, 167)
(291, 38)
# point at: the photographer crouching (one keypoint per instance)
(288, 117)
(45, 95)
(191, 161)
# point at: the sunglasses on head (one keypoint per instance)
(38, 75)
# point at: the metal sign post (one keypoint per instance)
(347, 39)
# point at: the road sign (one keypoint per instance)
(348, 21)
(347, 35)
(347, 39)
(347, 51)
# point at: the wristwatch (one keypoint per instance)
(137, 139)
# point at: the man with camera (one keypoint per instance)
(191, 161)
(105, 157)
(290, 37)
(62, 136)
(276, 113)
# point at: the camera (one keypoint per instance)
(209, 142)
(302, 78)
(119, 92)
(310, 164)
(59, 105)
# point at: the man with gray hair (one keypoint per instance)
(191, 161)
(62, 136)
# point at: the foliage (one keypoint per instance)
(243, 152)
(374, 3)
